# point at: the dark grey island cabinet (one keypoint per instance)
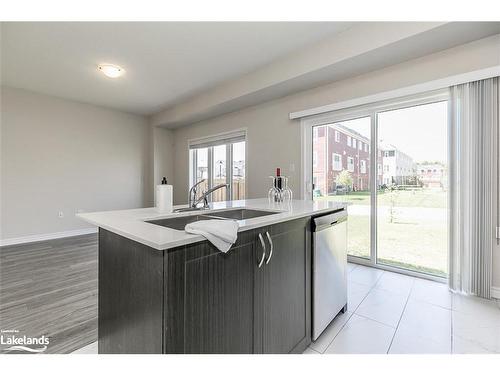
(195, 299)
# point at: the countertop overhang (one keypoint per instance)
(132, 223)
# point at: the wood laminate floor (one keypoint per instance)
(50, 288)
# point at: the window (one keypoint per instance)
(337, 136)
(350, 164)
(363, 166)
(353, 143)
(366, 147)
(379, 169)
(386, 168)
(238, 156)
(337, 162)
(360, 145)
(349, 141)
(200, 165)
(219, 160)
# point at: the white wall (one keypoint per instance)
(163, 145)
(60, 155)
(274, 140)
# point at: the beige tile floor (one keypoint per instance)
(393, 313)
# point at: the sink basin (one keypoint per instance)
(179, 223)
(240, 214)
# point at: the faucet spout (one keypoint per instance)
(210, 191)
(204, 197)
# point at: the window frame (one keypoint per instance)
(339, 115)
(333, 161)
(362, 166)
(228, 139)
(348, 164)
(366, 110)
(337, 136)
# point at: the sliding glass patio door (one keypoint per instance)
(389, 162)
(412, 225)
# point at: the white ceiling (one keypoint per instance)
(363, 48)
(164, 62)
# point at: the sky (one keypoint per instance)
(220, 153)
(420, 131)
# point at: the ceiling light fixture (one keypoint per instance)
(112, 71)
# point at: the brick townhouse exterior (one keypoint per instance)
(432, 175)
(337, 148)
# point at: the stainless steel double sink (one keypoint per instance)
(180, 222)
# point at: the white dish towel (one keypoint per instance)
(221, 233)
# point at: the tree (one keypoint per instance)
(393, 192)
(344, 178)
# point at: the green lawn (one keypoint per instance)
(418, 242)
(403, 198)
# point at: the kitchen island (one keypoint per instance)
(162, 290)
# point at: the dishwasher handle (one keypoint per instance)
(326, 221)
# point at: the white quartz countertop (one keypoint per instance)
(132, 223)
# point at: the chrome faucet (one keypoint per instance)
(193, 202)
(204, 196)
(193, 192)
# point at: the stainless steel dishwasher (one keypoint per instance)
(329, 269)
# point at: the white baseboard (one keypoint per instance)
(45, 237)
(495, 292)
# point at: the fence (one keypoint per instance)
(238, 190)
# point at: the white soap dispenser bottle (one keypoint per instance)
(164, 197)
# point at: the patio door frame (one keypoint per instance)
(368, 110)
